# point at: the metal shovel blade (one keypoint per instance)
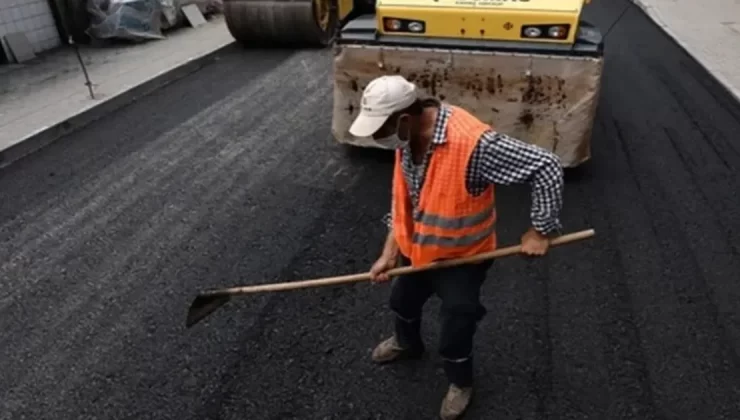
(203, 306)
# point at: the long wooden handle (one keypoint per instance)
(355, 278)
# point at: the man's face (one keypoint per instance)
(396, 124)
(388, 129)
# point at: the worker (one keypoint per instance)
(443, 206)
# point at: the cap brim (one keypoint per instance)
(366, 126)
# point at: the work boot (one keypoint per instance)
(455, 402)
(389, 350)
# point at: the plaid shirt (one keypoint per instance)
(499, 159)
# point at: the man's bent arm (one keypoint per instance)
(500, 159)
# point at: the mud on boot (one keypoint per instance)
(389, 350)
(455, 403)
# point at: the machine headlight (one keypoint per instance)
(532, 32)
(416, 27)
(403, 25)
(545, 31)
(392, 25)
(557, 32)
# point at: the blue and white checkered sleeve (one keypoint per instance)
(388, 220)
(500, 159)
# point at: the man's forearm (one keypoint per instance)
(547, 197)
(390, 249)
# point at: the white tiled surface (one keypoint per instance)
(708, 29)
(32, 17)
(35, 96)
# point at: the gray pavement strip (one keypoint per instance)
(54, 132)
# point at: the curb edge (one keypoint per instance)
(50, 134)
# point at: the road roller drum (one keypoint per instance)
(281, 22)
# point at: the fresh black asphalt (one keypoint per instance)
(230, 176)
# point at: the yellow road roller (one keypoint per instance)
(530, 68)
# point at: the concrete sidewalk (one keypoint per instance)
(708, 30)
(47, 98)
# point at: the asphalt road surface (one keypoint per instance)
(230, 177)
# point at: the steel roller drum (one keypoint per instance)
(282, 22)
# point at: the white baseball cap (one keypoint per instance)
(381, 98)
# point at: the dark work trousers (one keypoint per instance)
(459, 289)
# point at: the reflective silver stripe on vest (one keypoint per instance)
(455, 222)
(450, 241)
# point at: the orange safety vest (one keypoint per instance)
(450, 222)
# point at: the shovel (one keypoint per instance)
(207, 302)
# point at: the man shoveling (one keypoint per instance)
(443, 206)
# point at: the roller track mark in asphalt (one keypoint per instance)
(694, 303)
(231, 381)
(541, 380)
(109, 140)
(659, 174)
(122, 227)
(627, 382)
